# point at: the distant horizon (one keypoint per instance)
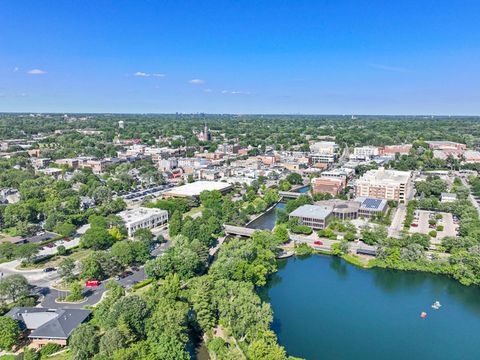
(226, 113)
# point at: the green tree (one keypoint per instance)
(97, 238)
(13, 288)
(295, 179)
(66, 269)
(112, 341)
(26, 252)
(175, 224)
(83, 342)
(9, 333)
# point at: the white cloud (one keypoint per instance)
(36, 72)
(197, 81)
(207, 90)
(16, 68)
(236, 92)
(389, 68)
(144, 74)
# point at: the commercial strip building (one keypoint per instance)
(385, 184)
(391, 150)
(195, 189)
(445, 145)
(143, 218)
(45, 326)
(467, 156)
(318, 216)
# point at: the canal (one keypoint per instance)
(325, 308)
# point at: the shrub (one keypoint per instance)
(440, 228)
(433, 233)
(49, 349)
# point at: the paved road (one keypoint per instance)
(470, 196)
(93, 294)
(35, 277)
(397, 222)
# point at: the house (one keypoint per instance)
(448, 197)
(45, 326)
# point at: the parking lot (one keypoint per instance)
(422, 218)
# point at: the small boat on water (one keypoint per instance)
(436, 305)
(423, 315)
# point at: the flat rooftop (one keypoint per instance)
(382, 175)
(195, 188)
(139, 213)
(313, 211)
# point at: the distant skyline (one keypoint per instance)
(273, 57)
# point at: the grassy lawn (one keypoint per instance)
(193, 211)
(63, 356)
(76, 254)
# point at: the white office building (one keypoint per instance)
(365, 152)
(143, 218)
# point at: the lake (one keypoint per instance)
(325, 308)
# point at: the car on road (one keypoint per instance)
(125, 274)
(414, 225)
(318, 242)
(49, 269)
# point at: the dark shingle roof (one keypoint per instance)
(57, 323)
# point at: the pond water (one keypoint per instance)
(325, 308)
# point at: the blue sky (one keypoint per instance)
(311, 57)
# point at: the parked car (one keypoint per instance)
(49, 269)
(413, 225)
(318, 242)
(125, 274)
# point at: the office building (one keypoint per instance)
(143, 218)
(385, 184)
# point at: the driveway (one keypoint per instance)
(396, 227)
(93, 294)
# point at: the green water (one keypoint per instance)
(326, 309)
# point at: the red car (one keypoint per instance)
(414, 225)
(318, 242)
(91, 283)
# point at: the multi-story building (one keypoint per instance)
(467, 156)
(324, 147)
(71, 163)
(365, 152)
(385, 184)
(228, 148)
(403, 149)
(314, 216)
(322, 158)
(446, 145)
(331, 186)
(143, 218)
